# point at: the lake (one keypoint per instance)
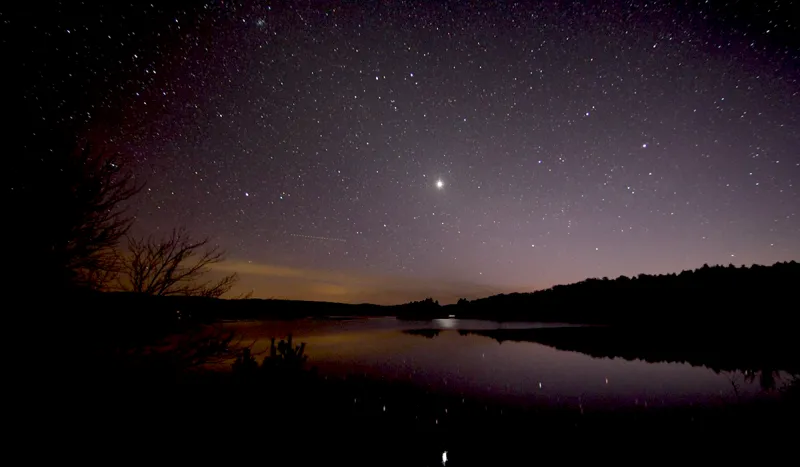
(461, 357)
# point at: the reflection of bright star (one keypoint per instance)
(439, 184)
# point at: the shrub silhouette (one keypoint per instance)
(282, 358)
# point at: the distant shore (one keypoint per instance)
(758, 297)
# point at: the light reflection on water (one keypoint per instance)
(522, 372)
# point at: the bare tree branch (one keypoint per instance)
(174, 265)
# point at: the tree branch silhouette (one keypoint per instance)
(101, 217)
(174, 265)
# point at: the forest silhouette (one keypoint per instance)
(711, 296)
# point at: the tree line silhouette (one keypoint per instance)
(711, 296)
(716, 297)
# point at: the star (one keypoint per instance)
(365, 138)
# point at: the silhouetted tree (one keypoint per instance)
(174, 265)
(68, 208)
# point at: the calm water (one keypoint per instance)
(521, 372)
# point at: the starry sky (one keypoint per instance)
(387, 151)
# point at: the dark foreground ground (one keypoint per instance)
(71, 404)
(300, 418)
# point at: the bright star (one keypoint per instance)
(439, 184)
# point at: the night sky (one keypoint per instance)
(389, 151)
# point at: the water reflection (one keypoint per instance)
(762, 361)
(767, 379)
(429, 333)
(534, 364)
(448, 323)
